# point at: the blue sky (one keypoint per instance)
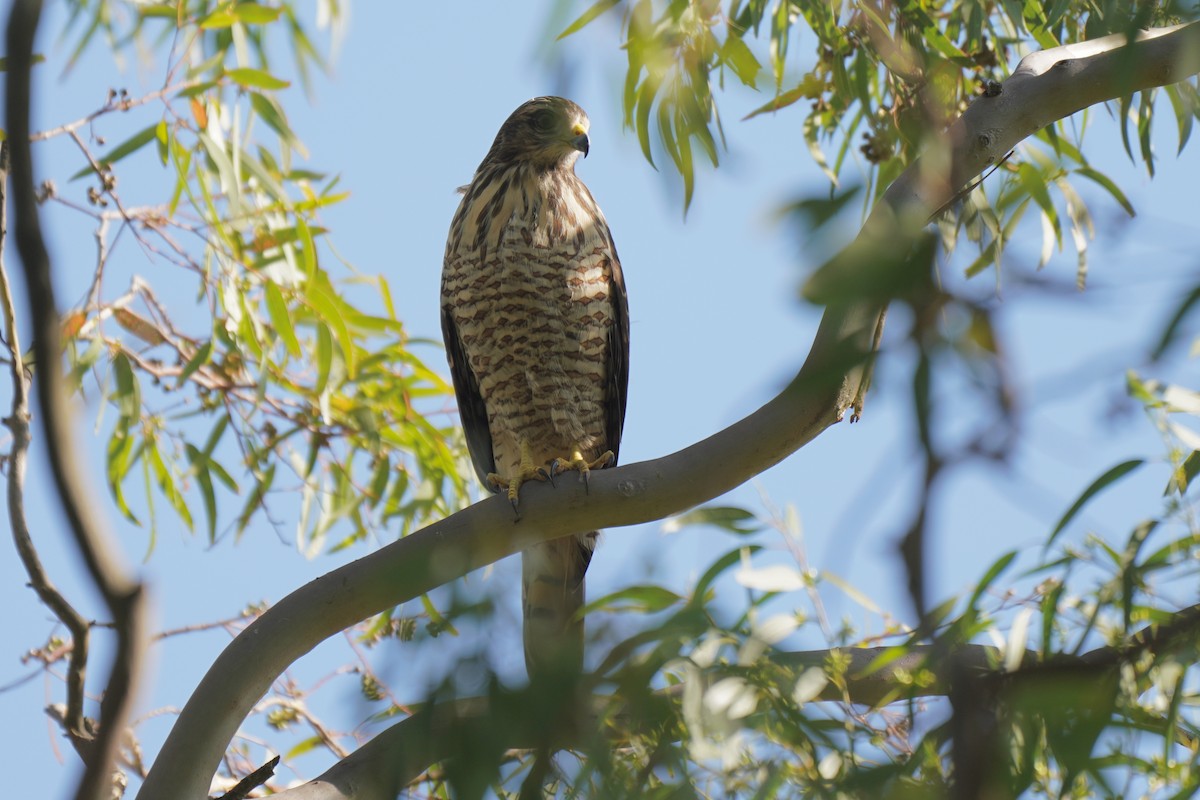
(415, 97)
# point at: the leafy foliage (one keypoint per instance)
(286, 376)
(891, 76)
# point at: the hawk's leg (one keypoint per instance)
(580, 464)
(527, 471)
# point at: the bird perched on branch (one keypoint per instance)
(536, 324)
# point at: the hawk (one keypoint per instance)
(536, 324)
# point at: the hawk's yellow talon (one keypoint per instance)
(528, 471)
(580, 464)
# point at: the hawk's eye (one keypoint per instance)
(544, 120)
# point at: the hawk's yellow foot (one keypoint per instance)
(528, 471)
(580, 464)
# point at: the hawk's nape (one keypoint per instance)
(536, 324)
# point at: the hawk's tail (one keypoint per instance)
(551, 592)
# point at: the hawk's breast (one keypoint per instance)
(528, 282)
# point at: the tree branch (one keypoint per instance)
(826, 385)
(381, 768)
(385, 765)
(122, 595)
(115, 102)
(18, 423)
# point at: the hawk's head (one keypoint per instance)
(546, 132)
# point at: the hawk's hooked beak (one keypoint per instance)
(580, 142)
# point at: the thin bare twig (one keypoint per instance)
(114, 104)
(252, 781)
(18, 423)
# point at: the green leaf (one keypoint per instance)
(222, 18)
(392, 507)
(994, 571)
(720, 565)
(82, 363)
(666, 134)
(934, 36)
(727, 518)
(1035, 185)
(1050, 614)
(1171, 331)
(320, 202)
(596, 10)
(687, 167)
(118, 461)
(1177, 692)
(326, 307)
(1185, 112)
(850, 591)
(281, 320)
(647, 599)
(214, 436)
(166, 482)
(1100, 484)
(324, 358)
(181, 159)
(737, 54)
(271, 112)
(228, 177)
(198, 359)
(1108, 185)
(308, 247)
(814, 212)
(811, 133)
(162, 134)
(265, 178)
(437, 621)
(97, 18)
(152, 529)
(379, 481)
(1184, 474)
(223, 475)
(645, 101)
(130, 145)
(252, 78)
(810, 87)
(261, 487)
(1126, 104)
(199, 463)
(127, 395)
(780, 24)
(1144, 119)
(255, 14)
(162, 10)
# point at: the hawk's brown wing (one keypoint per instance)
(470, 401)
(618, 358)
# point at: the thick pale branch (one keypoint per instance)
(816, 399)
(1052, 84)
